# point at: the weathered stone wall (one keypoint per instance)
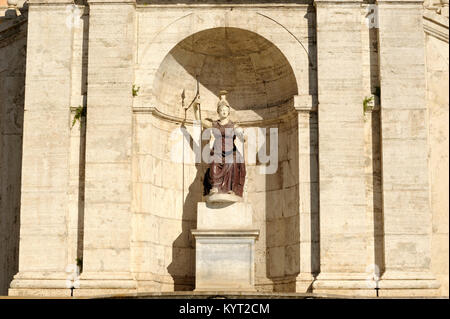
(261, 82)
(165, 196)
(133, 230)
(436, 41)
(13, 39)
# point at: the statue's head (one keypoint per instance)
(223, 107)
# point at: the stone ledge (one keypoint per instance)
(107, 280)
(40, 293)
(218, 294)
(154, 111)
(225, 233)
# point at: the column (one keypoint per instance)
(108, 217)
(308, 191)
(44, 194)
(343, 236)
(407, 216)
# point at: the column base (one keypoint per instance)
(102, 292)
(345, 284)
(39, 292)
(41, 284)
(105, 283)
(107, 280)
(405, 284)
(391, 284)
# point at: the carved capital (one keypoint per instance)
(305, 103)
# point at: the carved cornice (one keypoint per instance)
(436, 25)
(178, 120)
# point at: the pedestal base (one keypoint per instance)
(225, 260)
(390, 284)
(105, 283)
(41, 284)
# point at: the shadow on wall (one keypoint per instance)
(182, 267)
(12, 92)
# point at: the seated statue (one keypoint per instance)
(226, 173)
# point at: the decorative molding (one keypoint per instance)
(305, 103)
(178, 120)
(436, 25)
(151, 5)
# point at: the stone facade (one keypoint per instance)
(361, 116)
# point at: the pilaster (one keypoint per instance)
(343, 236)
(306, 109)
(46, 140)
(108, 215)
(405, 189)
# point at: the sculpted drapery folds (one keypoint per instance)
(226, 173)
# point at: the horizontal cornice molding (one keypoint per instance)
(436, 25)
(178, 120)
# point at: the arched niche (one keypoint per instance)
(258, 77)
(262, 86)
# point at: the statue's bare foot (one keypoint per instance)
(214, 190)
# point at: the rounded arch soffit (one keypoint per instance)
(252, 69)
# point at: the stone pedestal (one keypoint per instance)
(225, 244)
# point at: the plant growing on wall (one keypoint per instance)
(80, 111)
(135, 90)
(367, 103)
